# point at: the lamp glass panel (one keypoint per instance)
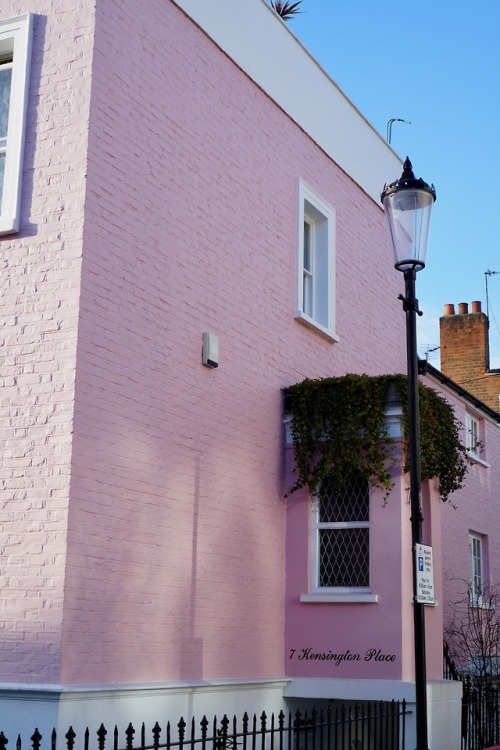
(408, 214)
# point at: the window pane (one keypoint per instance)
(307, 279)
(5, 81)
(307, 247)
(351, 503)
(307, 294)
(344, 558)
(472, 433)
(476, 566)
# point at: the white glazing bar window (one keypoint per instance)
(315, 286)
(15, 58)
(476, 566)
(5, 87)
(308, 279)
(472, 434)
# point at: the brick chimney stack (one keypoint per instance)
(465, 352)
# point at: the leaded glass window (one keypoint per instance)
(343, 544)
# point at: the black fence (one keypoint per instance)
(480, 714)
(450, 672)
(358, 727)
(480, 706)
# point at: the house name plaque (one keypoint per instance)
(371, 654)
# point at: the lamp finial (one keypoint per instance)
(407, 170)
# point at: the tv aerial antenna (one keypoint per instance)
(486, 274)
(389, 126)
(430, 351)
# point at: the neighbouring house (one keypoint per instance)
(188, 208)
(471, 546)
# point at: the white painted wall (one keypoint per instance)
(23, 710)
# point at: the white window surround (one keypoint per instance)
(315, 274)
(476, 559)
(15, 39)
(320, 594)
(472, 434)
(474, 438)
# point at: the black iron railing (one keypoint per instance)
(480, 714)
(480, 706)
(366, 725)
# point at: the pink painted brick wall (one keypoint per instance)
(473, 508)
(158, 513)
(38, 329)
(176, 534)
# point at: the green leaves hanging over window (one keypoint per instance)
(339, 426)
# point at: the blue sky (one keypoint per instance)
(437, 64)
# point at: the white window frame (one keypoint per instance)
(354, 594)
(472, 434)
(476, 562)
(15, 37)
(319, 276)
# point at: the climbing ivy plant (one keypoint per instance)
(339, 425)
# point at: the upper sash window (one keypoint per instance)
(15, 56)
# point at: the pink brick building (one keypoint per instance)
(471, 546)
(170, 180)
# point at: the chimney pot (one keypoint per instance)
(463, 308)
(476, 306)
(449, 309)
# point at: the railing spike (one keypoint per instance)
(129, 734)
(101, 737)
(36, 739)
(70, 738)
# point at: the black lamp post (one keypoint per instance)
(408, 203)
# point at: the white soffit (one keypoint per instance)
(262, 45)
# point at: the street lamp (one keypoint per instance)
(408, 204)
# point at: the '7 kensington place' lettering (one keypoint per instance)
(372, 654)
(308, 654)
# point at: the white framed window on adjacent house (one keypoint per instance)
(15, 58)
(472, 434)
(340, 543)
(315, 292)
(476, 559)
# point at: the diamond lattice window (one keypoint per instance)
(343, 535)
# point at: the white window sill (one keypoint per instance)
(341, 598)
(9, 226)
(477, 460)
(479, 604)
(311, 323)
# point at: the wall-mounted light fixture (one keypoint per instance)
(210, 350)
